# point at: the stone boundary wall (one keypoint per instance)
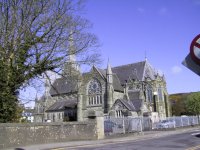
(16, 135)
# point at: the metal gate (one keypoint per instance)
(116, 125)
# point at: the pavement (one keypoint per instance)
(122, 138)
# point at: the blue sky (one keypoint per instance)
(163, 29)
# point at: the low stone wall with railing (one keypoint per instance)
(115, 125)
(16, 135)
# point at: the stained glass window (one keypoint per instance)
(94, 92)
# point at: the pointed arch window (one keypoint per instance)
(149, 94)
(94, 92)
(160, 94)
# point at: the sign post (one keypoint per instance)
(192, 61)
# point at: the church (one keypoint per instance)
(135, 89)
(131, 90)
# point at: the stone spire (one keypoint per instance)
(72, 57)
(109, 73)
(71, 65)
(110, 90)
(145, 56)
(47, 87)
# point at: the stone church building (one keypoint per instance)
(129, 90)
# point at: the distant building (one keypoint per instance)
(28, 114)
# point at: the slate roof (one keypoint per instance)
(61, 105)
(131, 105)
(103, 72)
(120, 75)
(116, 83)
(137, 103)
(137, 71)
(128, 104)
(63, 86)
(133, 94)
(125, 71)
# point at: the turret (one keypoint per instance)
(47, 87)
(109, 76)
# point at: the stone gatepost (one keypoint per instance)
(100, 127)
(98, 117)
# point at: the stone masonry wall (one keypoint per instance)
(16, 135)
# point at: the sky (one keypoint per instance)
(160, 30)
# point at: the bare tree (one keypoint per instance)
(35, 36)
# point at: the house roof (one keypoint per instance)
(62, 105)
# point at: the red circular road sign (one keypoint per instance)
(195, 49)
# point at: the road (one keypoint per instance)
(184, 141)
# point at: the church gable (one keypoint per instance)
(122, 108)
(97, 73)
(149, 72)
(121, 104)
(94, 73)
(118, 105)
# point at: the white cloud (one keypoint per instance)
(176, 69)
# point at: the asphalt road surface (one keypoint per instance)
(184, 141)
